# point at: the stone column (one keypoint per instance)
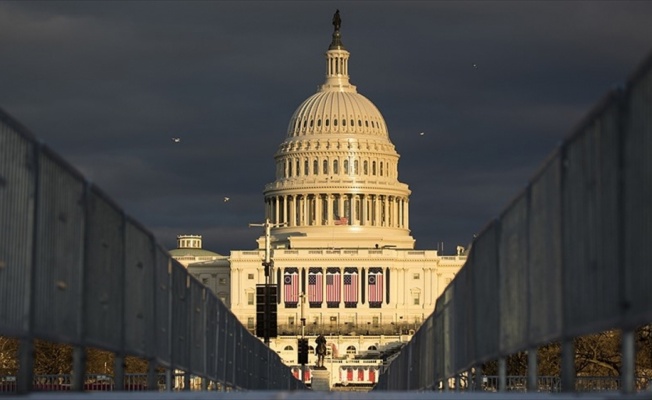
(293, 210)
(329, 212)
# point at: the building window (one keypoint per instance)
(305, 167)
(250, 323)
(315, 167)
(416, 275)
(250, 299)
(416, 297)
(373, 168)
(250, 276)
(375, 321)
(336, 169)
(325, 167)
(222, 281)
(288, 348)
(355, 167)
(365, 167)
(350, 350)
(291, 320)
(204, 281)
(345, 166)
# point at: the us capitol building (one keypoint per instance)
(339, 236)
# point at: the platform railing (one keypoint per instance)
(75, 269)
(568, 257)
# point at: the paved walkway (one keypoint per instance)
(310, 395)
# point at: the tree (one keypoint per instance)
(8, 356)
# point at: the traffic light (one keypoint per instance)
(270, 317)
(302, 353)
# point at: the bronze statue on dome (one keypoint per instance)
(337, 21)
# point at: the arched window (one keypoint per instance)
(371, 348)
(326, 121)
(373, 168)
(336, 169)
(355, 167)
(306, 170)
(381, 168)
(298, 169)
(289, 348)
(315, 167)
(335, 122)
(289, 169)
(345, 166)
(325, 167)
(350, 350)
(365, 167)
(319, 122)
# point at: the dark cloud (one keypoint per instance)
(494, 86)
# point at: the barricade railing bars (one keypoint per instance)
(568, 257)
(74, 269)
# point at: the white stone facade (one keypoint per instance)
(339, 216)
(340, 236)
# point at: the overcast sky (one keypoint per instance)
(494, 86)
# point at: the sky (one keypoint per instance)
(495, 87)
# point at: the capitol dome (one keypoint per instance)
(337, 170)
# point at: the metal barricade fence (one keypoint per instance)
(74, 269)
(567, 257)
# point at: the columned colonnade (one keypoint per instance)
(338, 209)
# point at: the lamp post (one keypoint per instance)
(303, 331)
(267, 264)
